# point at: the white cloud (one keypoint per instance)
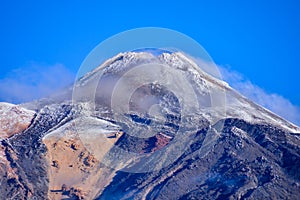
(33, 82)
(274, 102)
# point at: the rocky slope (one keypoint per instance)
(81, 149)
(13, 119)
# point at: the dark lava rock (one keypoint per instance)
(263, 164)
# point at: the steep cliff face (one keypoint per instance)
(85, 148)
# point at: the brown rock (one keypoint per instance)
(13, 119)
(89, 160)
(55, 163)
(75, 146)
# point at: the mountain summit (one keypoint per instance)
(148, 125)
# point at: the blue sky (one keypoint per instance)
(256, 40)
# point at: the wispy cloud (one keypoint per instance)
(34, 81)
(274, 102)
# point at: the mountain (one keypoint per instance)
(147, 125)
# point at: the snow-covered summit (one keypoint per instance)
(216, 98)
(211, 91)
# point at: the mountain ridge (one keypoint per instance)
(74, 147)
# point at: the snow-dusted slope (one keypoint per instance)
(209, 89)
(199, 139)
(13, 119)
